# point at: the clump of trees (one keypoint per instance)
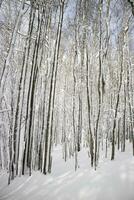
(66, 77)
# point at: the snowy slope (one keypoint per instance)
(113, 180)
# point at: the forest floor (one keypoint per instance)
(113, 180)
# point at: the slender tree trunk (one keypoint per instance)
(48, 132)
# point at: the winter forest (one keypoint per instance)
(66, 99)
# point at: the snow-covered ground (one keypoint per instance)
(113, 180)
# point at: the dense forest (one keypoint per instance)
(66, 78)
